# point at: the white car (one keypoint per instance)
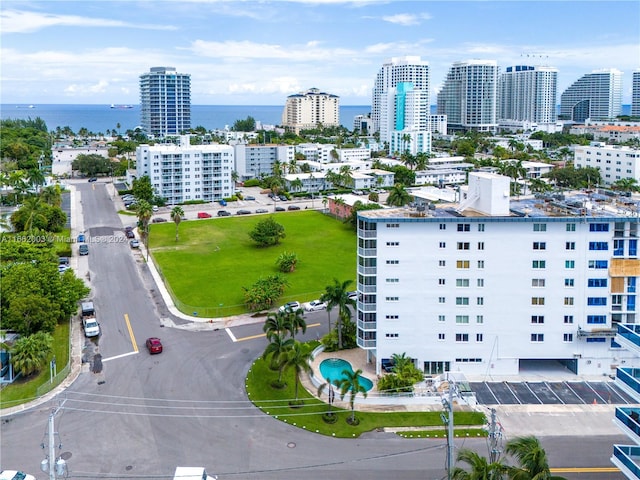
(15, 475)
(290, 306)
(315, 305)
(91, 327)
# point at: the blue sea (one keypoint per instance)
(103, 118)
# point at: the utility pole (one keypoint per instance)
(448, 420)
(52, 465)
(495, 437)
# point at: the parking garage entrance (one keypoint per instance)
(548, 366)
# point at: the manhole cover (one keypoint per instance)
(291, 445)
(66, 455)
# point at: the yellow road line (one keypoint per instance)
(584, 470)
(260, 335)
(133, 338)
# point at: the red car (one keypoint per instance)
(154, 345)
(204, 215)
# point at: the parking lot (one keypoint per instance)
(549, 393)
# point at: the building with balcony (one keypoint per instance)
(185, 172)
(257, 160)
(615, 162)
(311, 109)
(596, 95)
(486, 284)
(635, 94)
(165, 102)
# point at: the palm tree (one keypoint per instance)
(350, 382)
(337, 295)
(298, 357)
(629, 184)
(176, 215)
(398, 196)
(29, 354)
(294, 321)
(33, 214)
(278, 345)
(480, 468)
(532, 460)
(346, 178)
(144, 210)
(51, 195)
(35, 178)
(296, 184)
(275, 324)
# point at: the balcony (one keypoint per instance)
(367, 325)
(367, 252)
(597, 332)
(367, 307)
(366, 288)
(628, 336)
(367, 233)
(367, 344)
(627, 419)
(626, 458)
(367, 270)
(628, 379)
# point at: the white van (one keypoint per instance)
(87, 309)
(15, 475)
(192, 473)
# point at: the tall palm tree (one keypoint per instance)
(35, 178)
(51, 195)
(532, 460)
(296, 184)
(479, 467)
(176, 215)
(337, 295)
(33, 214)
(298, 357)
(294, 321)
(144, 210)
(278, 345)
(346, 177)
(350, 383)
(398, 196)
(275, 324)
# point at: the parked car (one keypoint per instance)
(63, 261)
(15, 475)
(249, 197)
(290, 306)
(155, 208)
(63, 268)
(91, 327)
(83, 249)
(315, 305)
(280, 209)
(223, 213)
(293, 207)
(204, 215)
(283, 198)
(154, 345)
(353, 295)
(93, 179)
(243, 212)
(262, 210)
(357, 192)
(81, 238)
(222, 202)
(134, 244)
(130, 234)
(158, 220)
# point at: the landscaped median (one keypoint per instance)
(309, 413)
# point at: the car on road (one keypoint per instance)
(158, 220)
(280, 209)
(93, 179)
(249, 197)
(81, 238)
(290, 307)
(283, 198)
(63, 268)
(130, 234)
(243, 212)
(134, 244)
(262, 210)
(222, 202)
(357, 192)
(352, 295)
(91, 327)
(83, 249)
(315, 305)
(223, 213)
(63, 261)
(154, 345)
(155, 208)
(293, 207)
(15, 475)
(204, 215)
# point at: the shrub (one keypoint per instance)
(254, 182)
(267, 232)
(264, 293)
(286, 262)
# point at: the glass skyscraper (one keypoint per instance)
(596, 95)
(165, 100)
(528, 94)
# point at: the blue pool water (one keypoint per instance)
(331, 369)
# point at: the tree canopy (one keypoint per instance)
(267, 232)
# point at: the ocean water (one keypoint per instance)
(103, 118)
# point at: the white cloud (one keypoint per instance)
(87, 89)
(407, 19)
(244, 50)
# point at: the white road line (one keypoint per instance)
(118, 356)
(231, 335)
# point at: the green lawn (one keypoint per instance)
(215, 258)
(275, 402)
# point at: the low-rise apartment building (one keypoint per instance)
(615, 162)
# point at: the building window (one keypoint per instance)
(596, 340)
(568, 337)
(391, 335)
(479, 318)
(481, 227)
(537, 319)
(570, 245)
(393, 262)
(596, 319)
(442, 263)
(462, 263)
(571, 227)
(462, 337)
(443, 245)
(539, 264)
(393, 225)
(568, 319)
(441, 281)
(462, 319)
(391, 317)
(480, 264)
(441, 299)
(597, 301)
(441, 318)
(393, 244)
(463, 245)
(568, 301)
(539, 227)
(598, 246)
(479, 337)
(537, 337)
(443, 226)
(480, 245)
(569, 282)
(480, 301)
(391, 299)
(538, 282)
(597, 282)
(462, 300)
(462, 282)
(537, 300)
(598, 264)
(464, 227)
(441, 336)
(598, 227)
(480, 282)
(569, 264)
(539, 245)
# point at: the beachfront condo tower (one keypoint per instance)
(596, 95)
(311, 109)
(165, 100)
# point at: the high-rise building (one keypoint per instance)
(528, 95)
(396, 70)
(635, 95)
(310, 109)
(165, 100)
(469, 96)
(596, 95)
(404, 119)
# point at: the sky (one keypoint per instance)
(259, 52)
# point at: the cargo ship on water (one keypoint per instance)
(121, 106)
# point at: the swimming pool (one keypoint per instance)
(331, 369)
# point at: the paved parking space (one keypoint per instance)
(548, 393)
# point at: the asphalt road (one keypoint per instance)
(140, 416)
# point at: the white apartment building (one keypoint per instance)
(255, 160)
(486, 285)
(165, 102)
(528, 96)
(469, 96)
(306, 110)
(615, 162)
(404, 119)
(317, 152)
(606, 133)
(397, 70)
(184, 172)
(346, 155)
(596, 95)
(635, 94)
(438, 124)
